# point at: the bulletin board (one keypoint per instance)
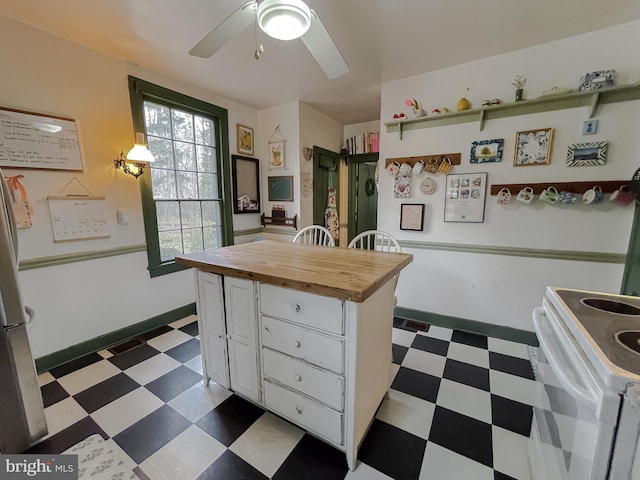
(78, 218)
(33, 140)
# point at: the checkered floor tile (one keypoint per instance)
(456, 410)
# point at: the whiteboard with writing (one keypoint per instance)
(78, 218)
(31, 140)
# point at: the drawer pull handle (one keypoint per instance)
(297, 378)
(297, 344)
(299, 410)
(296, 307)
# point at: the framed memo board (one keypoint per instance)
(280, 188)
(33, 140)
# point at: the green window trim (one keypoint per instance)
(141, 91)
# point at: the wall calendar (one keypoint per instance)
(78, 218)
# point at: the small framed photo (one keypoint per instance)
(587, 154)
(412, 216)
(533, 147)
(590, 127)
(280, 188)
(485, 151)
(245, 139)
(276, 155)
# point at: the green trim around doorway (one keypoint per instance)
(96, 344)
(466, 325)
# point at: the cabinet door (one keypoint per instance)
(240, 297)
(210, 302)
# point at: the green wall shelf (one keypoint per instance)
(542, 104)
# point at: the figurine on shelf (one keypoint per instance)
(519, 82)
(418, 111)
(463, 103)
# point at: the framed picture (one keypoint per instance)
(465, 197)
(597, 80)
(533, 147)
(245, 175)
(280, 188)
(276, 155)
(245, 140)
(484, 151)
(589, 127)
(412, 216)
(587, 154)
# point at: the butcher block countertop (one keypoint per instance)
(344, 273)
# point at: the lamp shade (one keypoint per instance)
(140, 152)
(284, 19)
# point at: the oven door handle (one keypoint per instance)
(587, 397)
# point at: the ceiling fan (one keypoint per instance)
(283, 20)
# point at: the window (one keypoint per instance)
(185, 198)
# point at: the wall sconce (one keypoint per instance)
(139, 156)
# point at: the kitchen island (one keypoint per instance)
(301, 330)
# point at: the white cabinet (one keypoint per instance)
(212, 327)
(321, 362)
(227, 320)
(240, 302)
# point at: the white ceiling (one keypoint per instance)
(381, 40)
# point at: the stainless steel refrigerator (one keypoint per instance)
(22, 419)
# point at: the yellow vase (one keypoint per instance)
(463, 104)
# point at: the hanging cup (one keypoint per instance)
(445, 165)
(405, 170)
(432, 165)
(392, 169)
(418, 167)
(525, 195)
(504, 196)
(593, 195)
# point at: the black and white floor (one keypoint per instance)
(458, 408)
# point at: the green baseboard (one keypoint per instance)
(55, 359)
(466, 325)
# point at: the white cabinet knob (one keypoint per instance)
(299, 410)
(297, 344)
(298, 378)
(296, 307)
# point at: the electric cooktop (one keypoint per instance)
(607, 326)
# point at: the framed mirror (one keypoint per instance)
(245, 173)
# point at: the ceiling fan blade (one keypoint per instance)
(223, 33)
(323, 49)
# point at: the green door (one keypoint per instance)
(367, 198)
(363, 194)
(631, 278)
(325, 163)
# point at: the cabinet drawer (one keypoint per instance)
(319, 384)
(324, 313)
(306, 413)
(314, 347)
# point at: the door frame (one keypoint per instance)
(352, 163)
(319, 186)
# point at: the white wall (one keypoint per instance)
(79, 301)
(503, 289)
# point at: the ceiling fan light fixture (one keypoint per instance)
(284, 19)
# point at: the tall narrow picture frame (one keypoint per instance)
(245, 140)
(276, 155)
(245, 173)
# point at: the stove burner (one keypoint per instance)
(630, 339)
(611, 306)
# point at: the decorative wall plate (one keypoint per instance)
(428, 186)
